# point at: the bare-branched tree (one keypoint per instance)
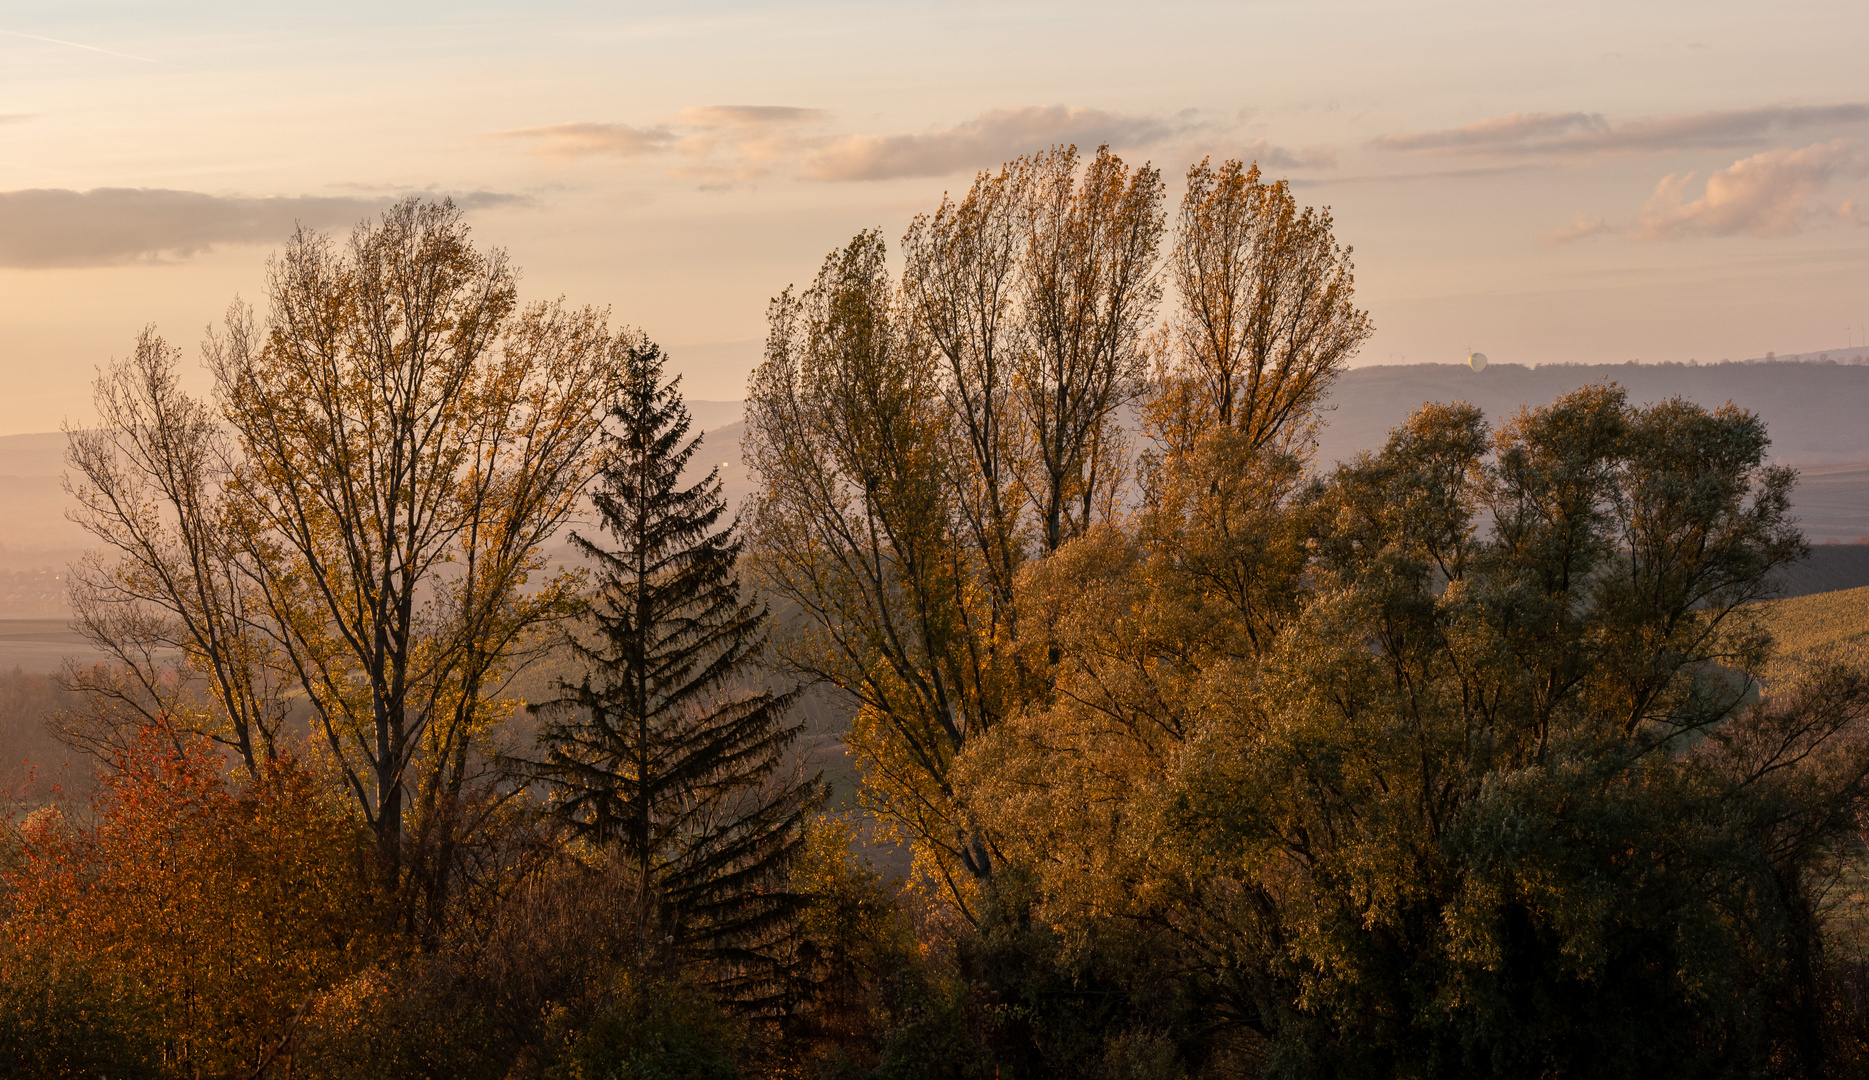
(363, 517)
(166, 598)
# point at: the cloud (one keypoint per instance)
(1278, 157)
(719, 145)
(723, 145)
(578, 140)
(484, 200)
(982, 142)
(1768, 194)
(1428, 176)
(746, 115)
(88, 48)
(56, 227)
(738, 144)
(1582, 227)
(1513, 130)
(1579, 132)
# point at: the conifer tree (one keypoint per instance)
(666, 753)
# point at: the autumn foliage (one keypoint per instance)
(213, 914)
(1198, 757)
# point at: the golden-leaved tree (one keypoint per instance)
(922, 447)
(919, 444)
(359, 516)
(1495, 792)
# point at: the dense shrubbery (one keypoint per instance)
(182, 922)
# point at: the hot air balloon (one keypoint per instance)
(1477, 361)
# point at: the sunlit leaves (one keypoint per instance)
(222, 912)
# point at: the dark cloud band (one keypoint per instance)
(1578, 132)
(57, 227)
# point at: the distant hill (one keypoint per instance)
(34, 534)
(1814, 411)
(1854, 354)
(1830, 567)
(709, 415)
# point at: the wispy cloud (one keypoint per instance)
(579, 140)
(737, 144)
(1474, 172)
(1278, 157)
(1513, 130)
(716, 144)
(1582, 227)
(747, 115)
(1768, 194)
(1586, 133)
(87, 48)
(722, 145)
(984, 141)
(477, 199)
(57, 227)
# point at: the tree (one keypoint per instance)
(663, 752)
(960, 278)
(1086, 295)
(918, 447)
(401, 440)
(1266, 322)
(1496, 797)
(854, 526)
(151, 487)
(1266, 319)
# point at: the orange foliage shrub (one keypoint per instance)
(223, 911)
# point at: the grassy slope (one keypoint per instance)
(1807, 626)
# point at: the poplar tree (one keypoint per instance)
(665, 753)
(918, 446)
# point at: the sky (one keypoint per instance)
(1543, 182)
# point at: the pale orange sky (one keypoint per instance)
(1543, 182)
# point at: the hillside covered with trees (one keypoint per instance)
(1213, 755)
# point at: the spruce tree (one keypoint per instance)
(667, 753)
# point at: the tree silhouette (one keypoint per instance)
(665, 753)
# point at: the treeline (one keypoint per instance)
(32, 592)
(1453, 760)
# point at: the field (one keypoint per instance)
(1807, 628)
(1829, 623)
